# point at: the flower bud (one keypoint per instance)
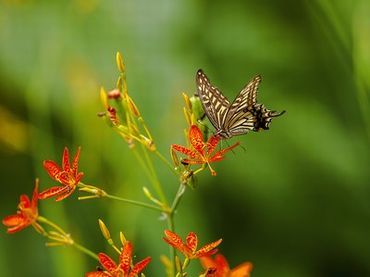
(104, 230)
(119, 61)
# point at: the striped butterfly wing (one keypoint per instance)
(241, 117)
(215, 104)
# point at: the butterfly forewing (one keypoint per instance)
(215, 104)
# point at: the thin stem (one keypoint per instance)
(42, 219)
(156, 183)
(176, 201)
(85, 250)
(134, 202)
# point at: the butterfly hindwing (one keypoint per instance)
(240, 118)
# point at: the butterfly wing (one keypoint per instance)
(240, 117)
(215, 104)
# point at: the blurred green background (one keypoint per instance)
(295, 203)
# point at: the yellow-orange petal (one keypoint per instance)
(208, 249)
(242, 270)
(174, 240)
(192, 241)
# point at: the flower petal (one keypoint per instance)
(196, 139)
(222, 263)
(212, 143)
(75, 161)
(220, 154)
(126, 257)
(68, 191)
(242, 270)
(107, 262)
(13, 220)
(97, 274)
(192, 241)
(140, 266)
(24, 202)
(184, 150)
(65, 161)
(35, 196)
(52, 168)
(174, 240)
(208, 249)
(52, 191)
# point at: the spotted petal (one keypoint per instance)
(196, 139)
(208, 249)
(52, 168)
(174, 240)
(107, 262)
(126, 257)
(65, 161)
(192, 241)
(242, 270)
(53, 191)
(139, 267)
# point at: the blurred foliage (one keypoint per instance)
(295, 203)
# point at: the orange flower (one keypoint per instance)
(189, 249)
(123, 269)
(202, 152)
(219, 267)
(68, 176)
(26, 215)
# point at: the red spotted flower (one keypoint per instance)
(201, 152)
(123, 269)
(68, 176)
(189, 249)
(26, 215)
(219, 267)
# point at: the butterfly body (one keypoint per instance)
(244, 114)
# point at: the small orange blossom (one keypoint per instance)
(201, 151)
(219, 267)
(123, 269)
(68, 176)
(26, 215)
(189, 249)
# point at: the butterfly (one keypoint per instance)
(244, 114)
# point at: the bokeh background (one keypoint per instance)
(296, 202)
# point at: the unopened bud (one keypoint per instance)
(103, 97)
(119, 61)
(122, 238)
(104, 230)
(132, 106)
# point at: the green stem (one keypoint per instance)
(85, 250)
(176, 201)
(42, 219)
(156, 183)
(81, 248)
(170, 220)
(134, 202)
